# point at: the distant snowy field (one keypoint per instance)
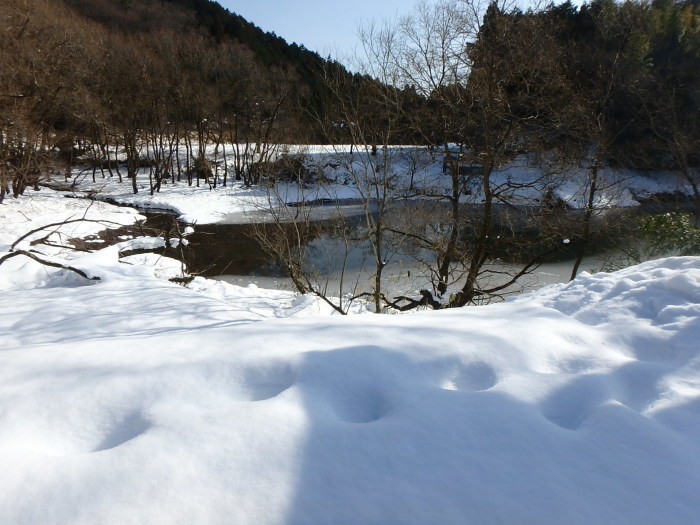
(528, 182)
(135, 400)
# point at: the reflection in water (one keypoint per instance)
(345, 261)
(229, 252)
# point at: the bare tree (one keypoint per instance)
(592, 128)
(374, 112)
(482, 73)
(675, 128)
(43, 100)
(315, 253)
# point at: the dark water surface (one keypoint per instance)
(230, 252)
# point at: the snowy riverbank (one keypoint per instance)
(340, 174)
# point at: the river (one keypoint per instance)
(341, 260)
(229, 251)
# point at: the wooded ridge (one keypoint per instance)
(620, 79)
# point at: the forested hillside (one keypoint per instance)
(80, 75)
(616, 81)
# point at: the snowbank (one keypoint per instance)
(134, 400)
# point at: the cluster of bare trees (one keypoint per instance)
(36, 89)
(480, 83)
(486, 82)
(72, 87)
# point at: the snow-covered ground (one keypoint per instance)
(525, 180)
(49, 207)
(41, 208)
(136, 400)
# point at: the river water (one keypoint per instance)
(229, 251)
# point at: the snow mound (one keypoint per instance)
(137, 400)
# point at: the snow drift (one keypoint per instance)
(134, 400)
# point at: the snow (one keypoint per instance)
(133, 399)
(345, 174)
(41, 208)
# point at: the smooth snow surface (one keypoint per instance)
(135, 400)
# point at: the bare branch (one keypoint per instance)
(46, 262)
(36, 230)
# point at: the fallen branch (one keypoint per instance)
(20, 239)
(45, 262)
(426, 299)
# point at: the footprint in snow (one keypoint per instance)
(360, 407)
(472, 377)
(267, 382)
(122, 431)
